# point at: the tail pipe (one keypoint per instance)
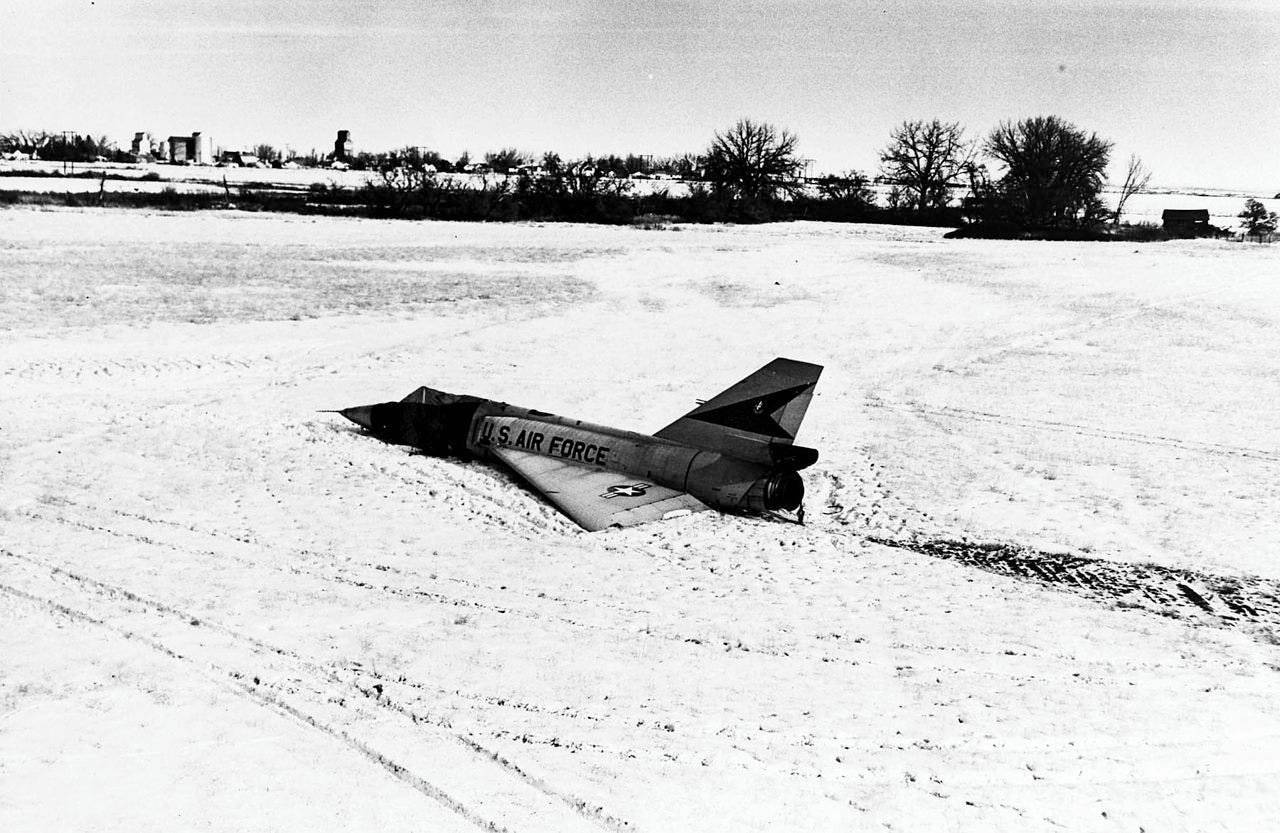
(779, 489)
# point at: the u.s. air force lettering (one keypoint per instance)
(492, 432)
(734, 452)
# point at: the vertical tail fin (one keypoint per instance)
(763, 410)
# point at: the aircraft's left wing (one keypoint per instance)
(595, 498)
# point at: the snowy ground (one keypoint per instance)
(1039, 588)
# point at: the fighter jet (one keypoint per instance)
(734, 452)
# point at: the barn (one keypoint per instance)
(1187, 222)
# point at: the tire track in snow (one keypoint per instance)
(950, 412)
(1233, 600)
(370, 683)
(235, 682)
(1036, 339)
(80, 368)
(328, 572)
(280, 677)
(875, 514)
(333, 574)
(421, 703)
(876, 509)
(417, 692)
(307, 555)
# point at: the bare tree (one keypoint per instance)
(753, 161)
(924, 159)
(1054, 172)
(687, 166)
(504, 160)
(1135, 182)
(26, 140)
(852, 187)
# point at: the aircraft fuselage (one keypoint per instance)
(733, 452)
(714, 478)
(462, 426)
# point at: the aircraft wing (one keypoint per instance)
(595, 498)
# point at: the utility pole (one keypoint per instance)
(67, 149)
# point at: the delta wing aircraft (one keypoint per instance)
(734, 452)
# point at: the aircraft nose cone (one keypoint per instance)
(361, 415)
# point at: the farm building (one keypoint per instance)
(144, 148)
(342, 146)
(1187, 222)
(189, 150)
(240, 158)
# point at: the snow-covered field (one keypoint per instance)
(1038, 589)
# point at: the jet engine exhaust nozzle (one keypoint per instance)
(783, 490)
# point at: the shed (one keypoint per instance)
(1187, 222)
(241, 158)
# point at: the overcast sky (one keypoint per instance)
(1190, 85)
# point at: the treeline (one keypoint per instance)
(586, 195)
(572, 198)
(512, 161)
(63, 146)
(1051, 176)
(1038, 176)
